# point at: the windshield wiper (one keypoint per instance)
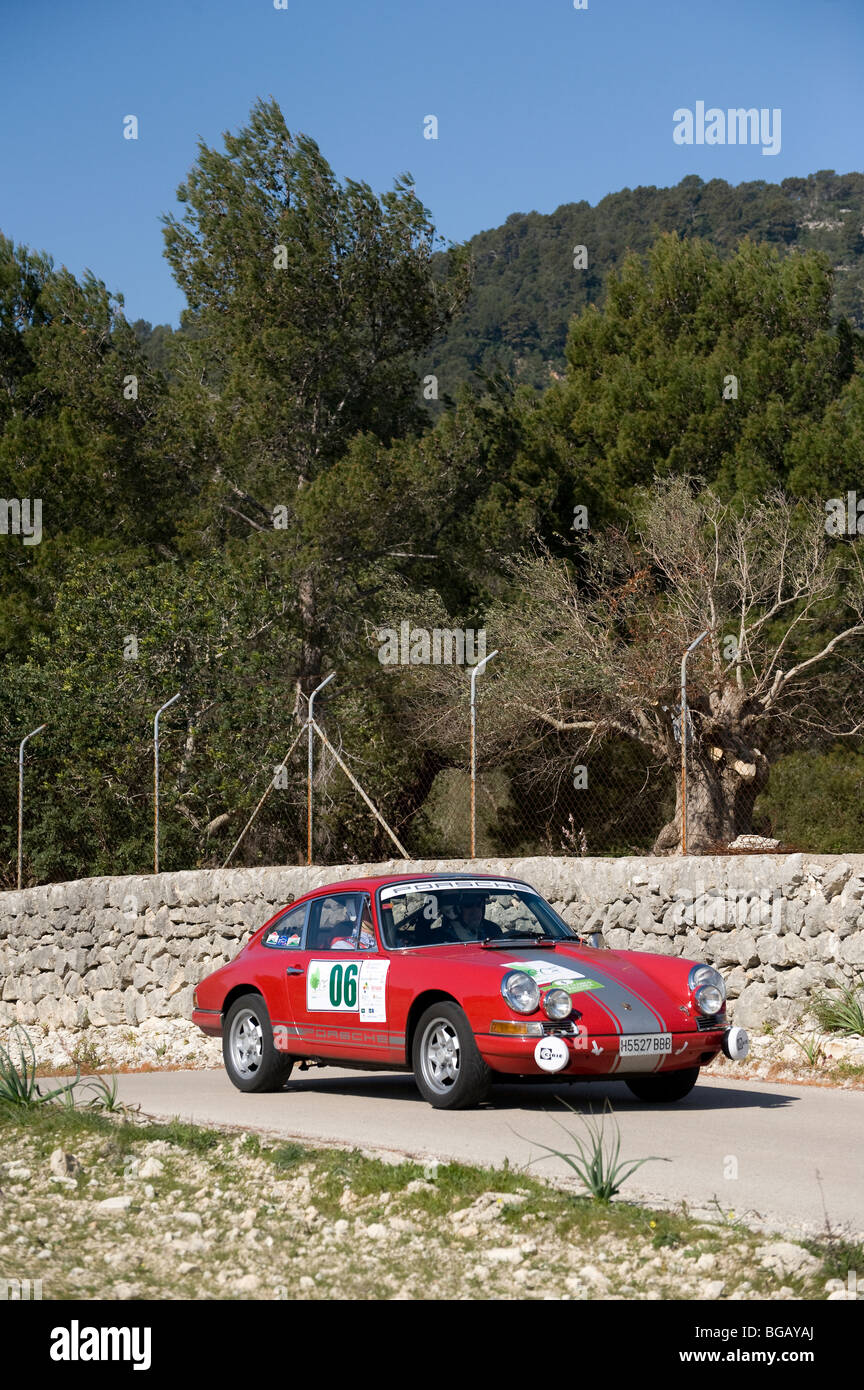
(506, 943)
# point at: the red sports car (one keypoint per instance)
(462, 979)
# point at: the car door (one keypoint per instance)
(281, 950)
(339, 1002)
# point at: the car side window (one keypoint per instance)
(333, 921)
(286, 933)
(363, 936)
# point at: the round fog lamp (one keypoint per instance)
(556, 1003)
(709, 999)
(521, 992)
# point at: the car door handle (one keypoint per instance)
(295, 970)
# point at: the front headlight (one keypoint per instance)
(708, 988)
(521, 992)
(709, 999)
(557, 1003)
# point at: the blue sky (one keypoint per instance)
(538, 104)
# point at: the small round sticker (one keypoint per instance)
(551, 1054)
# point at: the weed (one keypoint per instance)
(18, 1079)
(840, 1014)
(287, 1156)
(664, 1231)
(811, 1046)
(839, 1255)
(185, 1135)
(106, 1097)
(849, 1071)
(728, 1217)
(599, 1167)
(85, 1054)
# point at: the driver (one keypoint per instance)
(470, 922)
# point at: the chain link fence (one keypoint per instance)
(613, 799)
(610, 803)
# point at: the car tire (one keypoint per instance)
(665, 1088)
(448, 1068)
(248, 1050)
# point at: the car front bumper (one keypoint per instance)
(599, 1054)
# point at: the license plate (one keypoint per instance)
(644, 1044)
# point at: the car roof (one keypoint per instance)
(356, 885)
(372, 883)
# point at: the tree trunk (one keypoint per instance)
(310, 659)
(722, 787)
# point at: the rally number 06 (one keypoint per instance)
(343, 985)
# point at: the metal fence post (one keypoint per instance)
(268, 789)
(311, 757)
(21, 797)
(476, 671)
(692, 647)
(156, 780)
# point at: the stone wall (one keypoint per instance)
(126, 951)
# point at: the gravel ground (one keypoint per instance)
(100, 1206)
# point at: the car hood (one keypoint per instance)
(612, 991)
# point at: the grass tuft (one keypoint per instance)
(596, 1163)
(841, 1013)
(18, 1085)
(286, 1156)
(811, 1045)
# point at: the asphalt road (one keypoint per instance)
(784, 1154)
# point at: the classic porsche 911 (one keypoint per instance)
(464, 980)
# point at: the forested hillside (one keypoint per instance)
(526, 288)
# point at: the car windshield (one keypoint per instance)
(439, 913)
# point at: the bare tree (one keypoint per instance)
(592, 650)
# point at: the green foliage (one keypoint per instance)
(72, 436)
(309, 299)
(85, 1054)
(840, 1013)
(817, 798)
(526, 290)
(811, 1045)
(729, 362)
(286, 1156)
(106, 1096)
(273, 492)
(18, 1085)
